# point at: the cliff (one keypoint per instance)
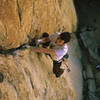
(25, 75)
(21, 20)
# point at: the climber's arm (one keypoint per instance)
(44, 50)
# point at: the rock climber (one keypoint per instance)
(58, 48)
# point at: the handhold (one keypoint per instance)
(1, 77)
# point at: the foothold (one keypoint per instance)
(1, 77)
(31, 83)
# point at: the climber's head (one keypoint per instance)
(63, 38)
(45, 37)
(45, 34)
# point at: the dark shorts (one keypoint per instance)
(56, 68)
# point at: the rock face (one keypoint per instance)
(29, 76)
(25, 75)
(21, 20)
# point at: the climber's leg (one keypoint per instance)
(56, 68)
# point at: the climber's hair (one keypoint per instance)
(66, 36)
(45, 34)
